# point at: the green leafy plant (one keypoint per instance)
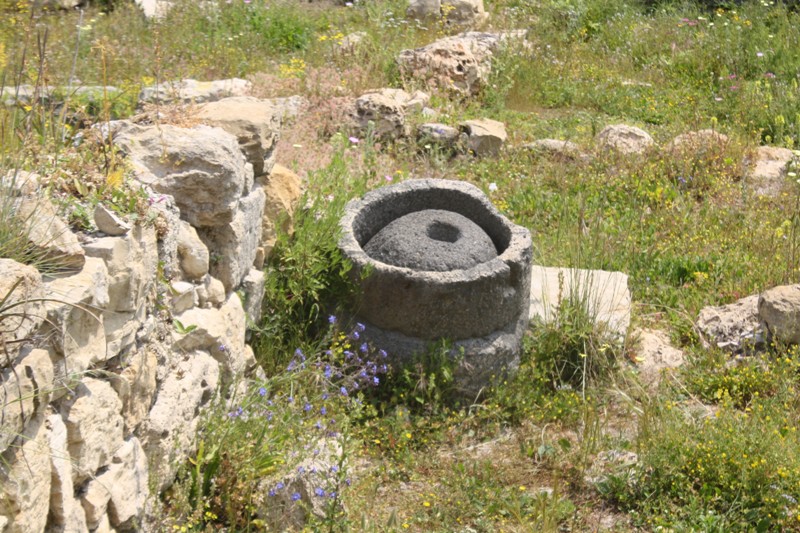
(307, 276)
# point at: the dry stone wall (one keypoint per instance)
(100, 393)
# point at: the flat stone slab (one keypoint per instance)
(606, 294)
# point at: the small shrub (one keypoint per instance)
(736, 384)
(572, 349)
(740, 468)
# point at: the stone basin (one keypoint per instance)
(434, 259)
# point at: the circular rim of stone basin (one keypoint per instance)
(428, 305)
(511, 241)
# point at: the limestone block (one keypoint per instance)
(779, 312)
(94, 427)
(167, 224)
(233, 246)
(385, 110)
(277, 507)
(137, 386)
(103, 526)
(453, 11)
(25, 480)
(25, 390)
(22, 285)
(184, 296)
(624, 139)
(350, 43)
(290, 107)
(424, 9)
(66, 511)
(211, 293)
(168, 434)
(201, 167)
(121, 489)
(19, 182)
(192, 253)
(461, 63)
(769, 172)
(193, 91)
(154, 9)
(75, 309)
(282, 189)
(132, 261)
(733, 327)
(485, 137)
(255, 123)
(605, 295)
(94, 499)
(253, 287)
(108, 222)
(48, 233)
(697, 143)
(655, 354)
(220, 332)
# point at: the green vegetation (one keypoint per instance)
(716, 446)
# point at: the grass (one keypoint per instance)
(715, 446)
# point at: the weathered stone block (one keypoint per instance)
(255, 124)
(25, 480)
(25, 390)
(22, 285)
(220, 332)
(201, 167)
(233, 246)
(94, 426)
(66, 511)
(75, 309)
(168, 435)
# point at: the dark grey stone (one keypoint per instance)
(432, 239)
(482, 307)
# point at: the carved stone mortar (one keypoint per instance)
(434, 259)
